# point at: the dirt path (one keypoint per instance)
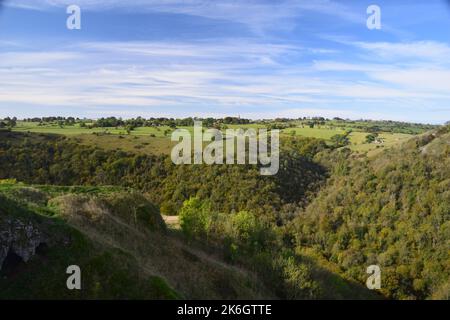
(208, 257)
(178, 243)
(172, 221)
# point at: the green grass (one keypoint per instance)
(156, 140)
(107, 273)
(9, 185)
(77, 130)
(372, 149)
(319, 133)
(36, 197)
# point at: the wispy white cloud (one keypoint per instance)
(427, 50)
(216, 76)
(18, 58)
(224, 50)
(259, 15)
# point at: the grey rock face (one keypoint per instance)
(20, 237)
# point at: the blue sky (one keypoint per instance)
(256, 59)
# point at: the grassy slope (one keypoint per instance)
(119, 259)
(107, 273)
(390, 140)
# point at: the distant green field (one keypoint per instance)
(390, 139)
(76, 129)
(156, 140)
(320, 133)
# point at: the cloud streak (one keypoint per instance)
(258, 15)
(215, 76)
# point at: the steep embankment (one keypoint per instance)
(116, 237)
(392, 211)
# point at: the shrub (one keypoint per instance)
(194, 218)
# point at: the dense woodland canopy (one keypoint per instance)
(393, 211)
(57, 160)
(327, 209)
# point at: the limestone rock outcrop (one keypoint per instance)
(20, 237)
